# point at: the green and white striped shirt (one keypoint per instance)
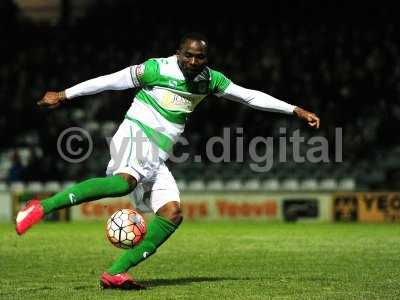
(165, 98)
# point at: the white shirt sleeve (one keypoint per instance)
(120, 80)
(256, 99)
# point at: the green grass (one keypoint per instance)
(209, 261)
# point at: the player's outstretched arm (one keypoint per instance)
(120, 80)
(263, 101)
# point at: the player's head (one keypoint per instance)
(192, 54)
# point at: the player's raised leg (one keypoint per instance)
(88, 190)
(166, 221)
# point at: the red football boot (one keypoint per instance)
(121, 281)
(31, 214)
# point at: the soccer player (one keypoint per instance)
(168, 90)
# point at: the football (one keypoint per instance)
(125, 228)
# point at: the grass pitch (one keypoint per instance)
(209, 261)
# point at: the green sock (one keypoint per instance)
(88, 190)
(158, 231)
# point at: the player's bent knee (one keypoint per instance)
(177, 217)
(129, 179)
(171, 211)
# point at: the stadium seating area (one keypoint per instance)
(348, 74)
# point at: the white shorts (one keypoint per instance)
(134, 154)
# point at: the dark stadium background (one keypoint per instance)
(339, 60)
(326, 230)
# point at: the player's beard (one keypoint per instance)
(191, 74)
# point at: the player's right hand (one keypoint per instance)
(52, 99)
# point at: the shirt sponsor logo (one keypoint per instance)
(173, 101)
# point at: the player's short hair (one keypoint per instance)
(196, 36)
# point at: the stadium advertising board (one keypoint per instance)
(367, 207)
(227, 206)
(257, 206)
(305, 206)
(345, 207)
(194, 206)
(297, 208)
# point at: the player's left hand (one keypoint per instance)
(311, 118)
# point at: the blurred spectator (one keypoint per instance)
(16, 170)
(34, 170)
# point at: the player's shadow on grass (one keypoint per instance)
(182, 281)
